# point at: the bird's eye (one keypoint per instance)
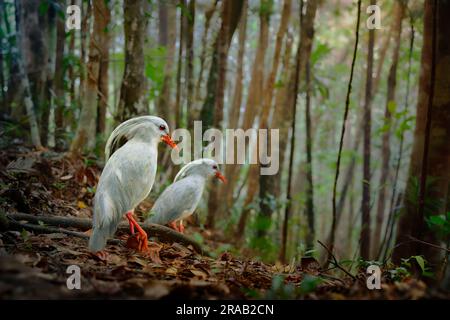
(162, 127)
(215, 167)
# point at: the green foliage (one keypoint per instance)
(154, 69)
(309, 284)
(280, 290)
(440, 224)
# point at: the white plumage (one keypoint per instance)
(180, 199)
(127, 179)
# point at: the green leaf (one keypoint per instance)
(420, 262)
(392, 106)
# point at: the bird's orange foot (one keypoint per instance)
(173, 225)
(142, 242)
(181, 227)
(102, 255)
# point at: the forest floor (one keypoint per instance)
(34, 265)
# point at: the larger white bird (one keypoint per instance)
(127, 179)
(179, 200)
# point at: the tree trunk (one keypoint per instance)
(103, 72)
(231, 12)
(190, 19)
(25, 86)
(167, 39)
(365, 221)
(133, 99)
(182, 43)
(35, 58)
(212, 111)
(58, 83)
(267, 183)
(386, 149)
(309, 164)
(85, 135)
(231, 170)
(194, 114)
(433, 105)
(254, 103)
(303, 54)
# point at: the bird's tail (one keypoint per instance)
(98, 239)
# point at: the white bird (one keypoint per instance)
(179, 200)
(127, 179)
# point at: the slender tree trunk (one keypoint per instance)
(334, 222)
(431, 150)
(194, 114)
(182, 43)
(58, 83)
(133, 98)
(365, 221)
(212, 111)
(190, 56)
(86, 12)
(103, 73)
(167, 39)
(231, 170)
(35, 58)
(254, 102)
(386, 148)
(85, 135)
(25, 84)
(231, 12)
(267, 183)
(309, 164)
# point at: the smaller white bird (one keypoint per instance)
(179, 200)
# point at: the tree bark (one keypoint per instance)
(267, 183)
(182, 44)
(103, 72)
(58, 83)
(365, 221)
(85, 135)
(386, 149)
(433, 107)
(212, 111)
(231, 12)
(231, 170)
(190, 56)
(167, 39)
(35, 58)
(133, 99)
(253, 105)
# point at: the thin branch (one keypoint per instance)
(347, 104)
(428, 244)
(335, 262)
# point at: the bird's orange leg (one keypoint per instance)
(102, 255)
(142, 235)
(181, 227)
(131, 223)
(173, 225)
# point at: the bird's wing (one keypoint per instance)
(176, 199)
(126, 180)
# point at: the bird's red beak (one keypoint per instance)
(221, 177)
(168, 140)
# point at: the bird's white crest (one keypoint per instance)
(127, 129)
(188, 167)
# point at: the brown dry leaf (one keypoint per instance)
(199, 273)
(172, 271)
